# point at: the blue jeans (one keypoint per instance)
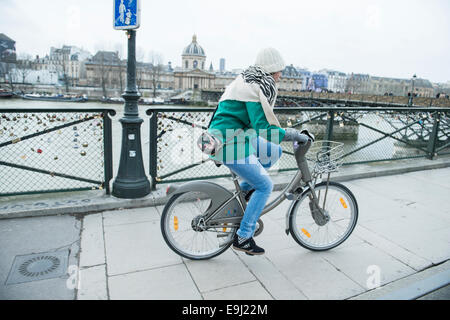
(253, 171)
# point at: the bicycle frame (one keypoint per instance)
(288, 192)
(223, 198)
(226, 208)
(302, 174)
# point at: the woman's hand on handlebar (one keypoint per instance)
(300, 137)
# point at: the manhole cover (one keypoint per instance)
(38, 266)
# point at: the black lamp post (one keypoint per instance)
(131, 181)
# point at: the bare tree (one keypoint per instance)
(103, 71)
(353, 84)
(7, 70)
(119, 50)
(156, 59)
(140, 65)
(23, 67)
(64, 73)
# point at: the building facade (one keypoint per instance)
(222, 80)
(108, 70)
(67, 62)
(396, 87)
(305, 74)
(291, 79)
(318, 82)
(104, 69)
(72, 66)
(358, 83)
(336, 80)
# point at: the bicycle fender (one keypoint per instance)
(291, 208)
(217, 194)
(201, 186)
(288, 214)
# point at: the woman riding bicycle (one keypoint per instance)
(251, 137)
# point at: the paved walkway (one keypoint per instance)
(402, 233)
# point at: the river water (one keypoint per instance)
(173, 160)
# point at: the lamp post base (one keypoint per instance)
(131, 181)
(131, 189)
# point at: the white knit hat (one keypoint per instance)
(270, 60)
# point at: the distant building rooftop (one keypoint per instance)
(4, 37)
(194, 49)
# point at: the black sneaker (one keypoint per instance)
(248, 194)
(247, 245)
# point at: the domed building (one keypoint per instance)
(193, 56)
(192, 74)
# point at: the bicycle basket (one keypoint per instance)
(327, 156)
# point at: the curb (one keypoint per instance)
(101, 202)
(413, 286)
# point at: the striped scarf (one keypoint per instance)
(265, 81)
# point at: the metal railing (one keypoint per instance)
(55, 150)
(370, 134)
(285, 98)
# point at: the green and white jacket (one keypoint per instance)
(244, 106)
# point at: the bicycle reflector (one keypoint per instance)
(343, 203)
(175, 223)
(306, 233)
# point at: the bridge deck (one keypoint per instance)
(401, 232)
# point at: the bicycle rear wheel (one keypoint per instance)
(186, 234)
(341, 206)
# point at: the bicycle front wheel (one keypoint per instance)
(341, 206)
(185, 232)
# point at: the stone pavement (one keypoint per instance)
(49, 235)
(403, 228)
(403, 235)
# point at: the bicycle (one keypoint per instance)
(201, 217)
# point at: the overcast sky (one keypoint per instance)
(392, 38)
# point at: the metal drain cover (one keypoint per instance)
(38, 266)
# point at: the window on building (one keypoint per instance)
(195, 64)
(187, 64)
